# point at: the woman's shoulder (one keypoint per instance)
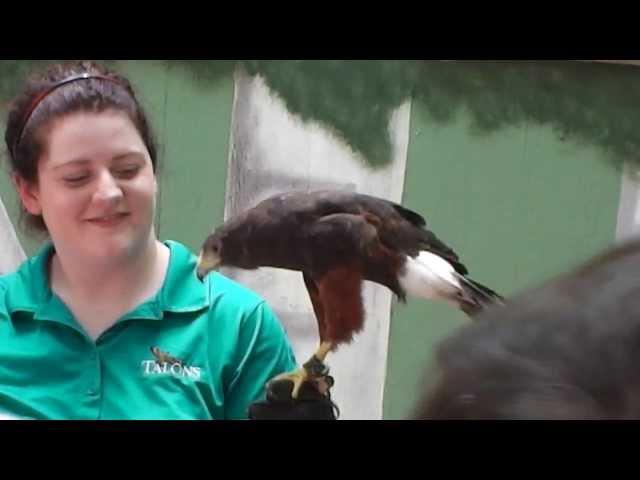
(18, 280)
(6, 280)
(27, 285)
(231, 292)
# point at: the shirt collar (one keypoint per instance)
(181, 291)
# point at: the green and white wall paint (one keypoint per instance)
(524, 168)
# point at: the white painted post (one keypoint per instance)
(628, 225)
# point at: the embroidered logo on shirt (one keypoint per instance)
(166, 364)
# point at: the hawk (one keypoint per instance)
(337, 239)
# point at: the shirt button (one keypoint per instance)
(92, 392)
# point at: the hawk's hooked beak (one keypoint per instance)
(207, 261)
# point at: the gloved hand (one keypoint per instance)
(311, 403)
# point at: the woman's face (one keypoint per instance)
(96, 187)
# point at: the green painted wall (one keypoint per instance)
(192, 121)
(518, 205)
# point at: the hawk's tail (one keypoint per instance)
(475, 297)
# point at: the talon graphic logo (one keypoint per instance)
(166, 364)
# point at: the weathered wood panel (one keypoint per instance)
(272, 151)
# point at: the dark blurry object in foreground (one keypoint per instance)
(569, 349)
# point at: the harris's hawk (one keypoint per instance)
(337, 239)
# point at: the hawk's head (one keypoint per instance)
(210, 256)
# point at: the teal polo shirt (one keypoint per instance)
(196, 350)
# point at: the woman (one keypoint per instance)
(106, 321)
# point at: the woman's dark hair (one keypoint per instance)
(61, 90)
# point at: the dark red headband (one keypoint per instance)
(36, 101)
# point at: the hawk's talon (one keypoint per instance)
(297, 378)
(315, 367)
(277, 390)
